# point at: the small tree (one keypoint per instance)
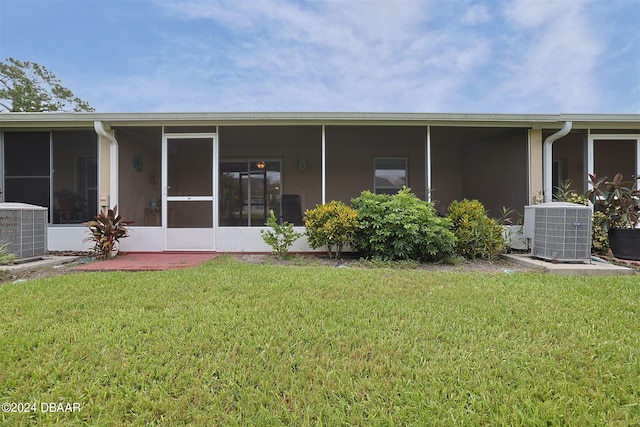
(29, 87)
(280, 237)
(332, 225)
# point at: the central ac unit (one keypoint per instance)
(559, 231)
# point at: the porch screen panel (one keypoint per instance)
(75, 176)
(613, 156)
(27, 167)
(198, 214)
(190, 167)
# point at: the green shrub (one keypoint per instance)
(5, 256)
(332, 225)
(401, 226)
(280, 237)
(478, 236)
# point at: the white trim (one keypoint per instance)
(324, 165)
(1, 167)
(185, 239)
(216, 183)
(427, 164)
(189, 198)
(638, 157)
(529, 195)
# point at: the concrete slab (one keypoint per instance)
(45, 261)
(572, 269)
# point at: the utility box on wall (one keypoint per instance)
(559, 231)
(24, 228)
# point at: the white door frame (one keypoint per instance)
(189, 239)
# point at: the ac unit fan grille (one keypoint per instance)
(562, 234)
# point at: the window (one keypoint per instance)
(390, 175)
(248, 190)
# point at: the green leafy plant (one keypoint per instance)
(280, 237)
(478, 236)
(333, 225)
(6, 257)
(106, 229)
(619, 201)
(401, 226)
(511, 230)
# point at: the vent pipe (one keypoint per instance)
(547, 159)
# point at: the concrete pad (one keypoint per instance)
(46, 261)
(572, 269)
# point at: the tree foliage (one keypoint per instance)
(26, 86)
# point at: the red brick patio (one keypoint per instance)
(141, 261)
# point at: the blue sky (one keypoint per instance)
(463, 56)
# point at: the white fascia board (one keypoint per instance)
(61, 119)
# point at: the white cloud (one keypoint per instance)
(552, 52)
(473, 56)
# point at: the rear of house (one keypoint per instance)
(206, 181)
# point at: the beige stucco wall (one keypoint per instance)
(104, 179)
(351, 150)
(536, 178)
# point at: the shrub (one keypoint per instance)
(401, 227)
(106, 229)
(6, 257)
(478, 236)
(280, 237)
(332, 225)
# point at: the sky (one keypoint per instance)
(427, 56)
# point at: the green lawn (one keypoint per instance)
(230, 343)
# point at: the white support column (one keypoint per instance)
(324, 166)
(216, 179)
(113, 175)
(427, 163)
(638, 156)
(590, 156)
(1, 167)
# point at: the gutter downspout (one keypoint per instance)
(547, 159)
(106, 201)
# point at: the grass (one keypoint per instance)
(230, 343)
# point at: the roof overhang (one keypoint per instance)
(534, 121)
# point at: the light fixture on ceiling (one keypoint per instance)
(260, 165)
